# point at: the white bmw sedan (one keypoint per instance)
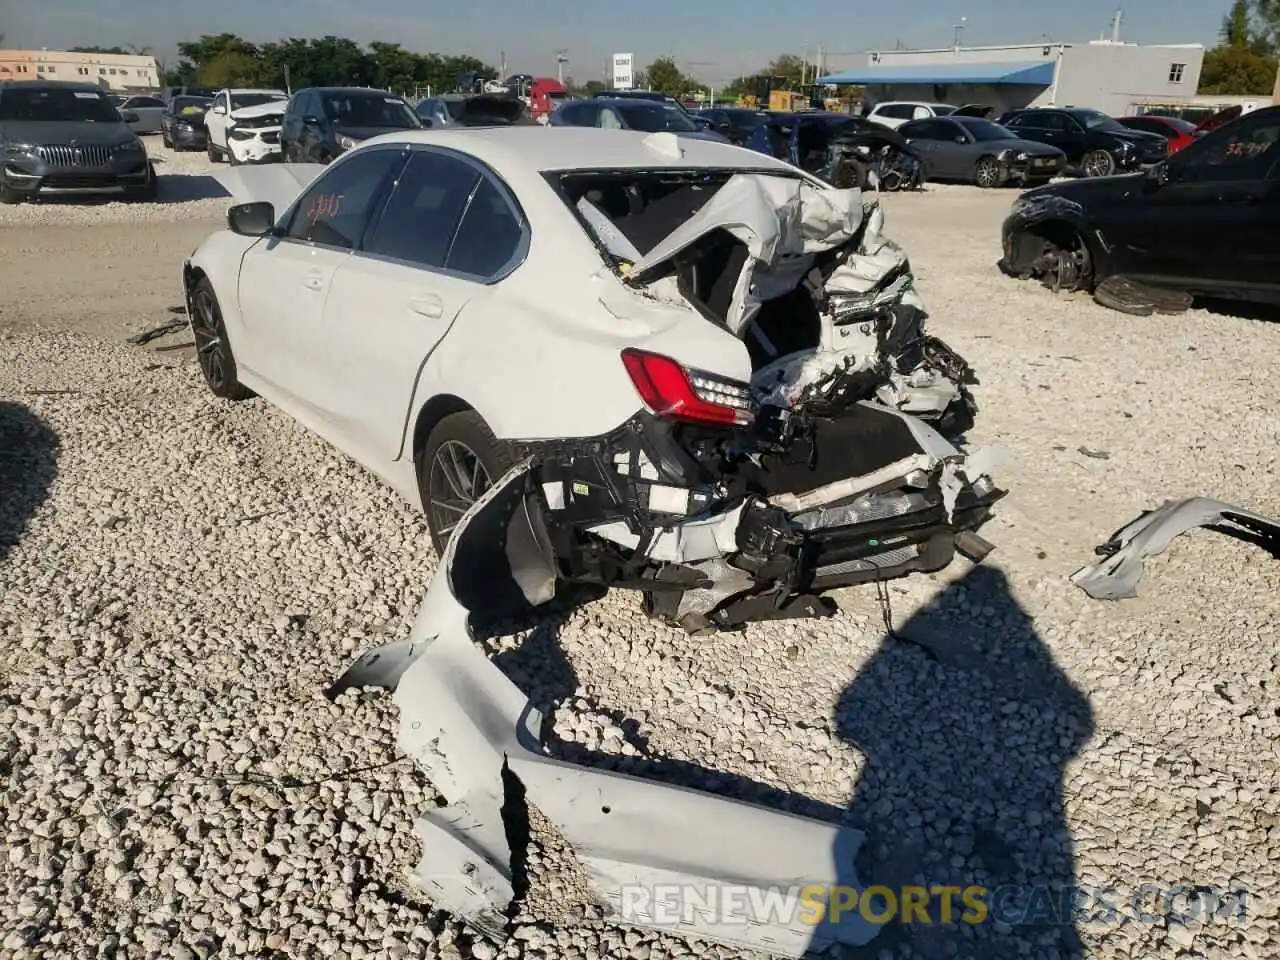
(711, 366)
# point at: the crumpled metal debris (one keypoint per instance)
(1116, 577)
(655, 855)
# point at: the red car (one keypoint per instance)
(1180, 133)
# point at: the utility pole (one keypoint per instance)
(562, 57)
(502, 70)
(959, 28)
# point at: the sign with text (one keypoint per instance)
(623, 76)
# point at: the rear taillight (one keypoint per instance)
(693, 396)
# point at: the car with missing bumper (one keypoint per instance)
(60, 139)
(1203, 223)
(243, 126)
(715, 363)
(978, 151)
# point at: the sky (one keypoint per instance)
(714, 40)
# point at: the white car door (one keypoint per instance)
(215, 121)
(448, 232)
(285, 279)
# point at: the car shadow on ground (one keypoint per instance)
(188, 187)
(966, 743)
(28, 466)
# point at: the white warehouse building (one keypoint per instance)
(1108, 75)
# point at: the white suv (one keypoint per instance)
(894, 113)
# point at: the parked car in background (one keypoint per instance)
(650, 116)
(322, 123)
(894, 113)
(844, 151)
(979, 151)
(243, 125)
(68, 139)
(655, 97)
(1206, 221)
(492, 295)
(147, 109)
(182, 124)
(735, 123)
(188, 91)
(1179, 133)
(1096, 145)
(472, 110)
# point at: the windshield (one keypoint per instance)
(1182, 126)
(186, 106)
(1093, 120)
(54, 104)
(744, 117)
(943, 109)
(240, 100)
(369, 110)
(986, 130)
(654, 117)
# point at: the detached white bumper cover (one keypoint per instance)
(472, 730)
(1116, 577)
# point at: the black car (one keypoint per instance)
(1096, 145)
(736, 123)
(979, 151)
(68, 139)
(631, 113)
(321, 123)
(182, 123)
(1205, 222)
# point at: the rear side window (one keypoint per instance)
(422, 214)
(489, 235)
(336, 208)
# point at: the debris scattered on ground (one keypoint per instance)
(156, 332)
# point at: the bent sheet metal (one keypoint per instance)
(472, 731)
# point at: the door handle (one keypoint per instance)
(427, 306)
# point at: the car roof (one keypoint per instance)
(371, 91)
(251, 90)
(579, 148)
(52, 85)
(913, 103)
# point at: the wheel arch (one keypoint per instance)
(431, 413)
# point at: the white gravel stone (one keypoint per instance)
(175, 779)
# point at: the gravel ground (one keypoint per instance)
(180, 578)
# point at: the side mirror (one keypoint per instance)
(128, 116)
(252, 219)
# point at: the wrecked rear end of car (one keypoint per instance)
(728, 501)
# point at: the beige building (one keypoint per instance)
(113, 71)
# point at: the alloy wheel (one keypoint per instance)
(987, 173)
(1098, 164)
(211, 347)
(457, 479)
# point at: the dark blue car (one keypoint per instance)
(839, 148)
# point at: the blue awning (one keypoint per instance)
(1035, 74)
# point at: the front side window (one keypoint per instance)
(1246, 150)
(336, 208)
(422, 213)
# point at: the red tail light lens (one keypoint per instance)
(692, 396)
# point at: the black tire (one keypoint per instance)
(149, 192)
(1098, 163)
(214, 155)
(986, 172)
(213, 349)
(1119, 293)
(165, 141)
(851, 173)
(1162, 300)
(460, 460)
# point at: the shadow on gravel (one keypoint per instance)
(962, 787)
(28, 464)
(188, 187)
(539, 667)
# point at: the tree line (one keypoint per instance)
(1245, 61)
